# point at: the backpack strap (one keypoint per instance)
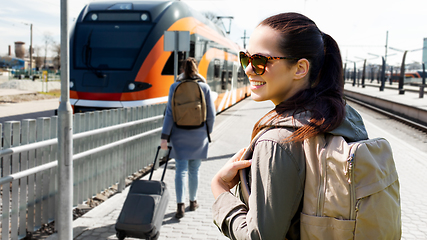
(245, 188)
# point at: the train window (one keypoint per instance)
(118, 17)
(216, 68)
(192, 49)
(112, 46)
(121, 6)
(223, 81)
(168, 69)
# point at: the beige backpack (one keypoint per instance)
(188, 104)
(351, 190)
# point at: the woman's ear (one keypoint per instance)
(303, 66)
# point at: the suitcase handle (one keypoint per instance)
(155, 160)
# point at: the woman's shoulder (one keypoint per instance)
(204, 86)
(276, 135)
(275, 138)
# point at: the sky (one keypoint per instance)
(361, 28)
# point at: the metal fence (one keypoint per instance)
(108, 146)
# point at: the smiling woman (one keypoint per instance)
(291, 63)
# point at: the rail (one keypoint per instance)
(108, 146)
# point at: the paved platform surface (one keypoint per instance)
(232, 132)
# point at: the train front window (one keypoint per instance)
(112, 46)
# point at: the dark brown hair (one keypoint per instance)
(300, 38)
(190, 68)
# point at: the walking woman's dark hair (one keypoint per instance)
(300, 38)
(190, 68)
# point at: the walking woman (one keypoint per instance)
(290, 62)
(189, 146)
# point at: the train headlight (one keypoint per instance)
(94, 17)
(71, 84)
(131, 86)
(144, 17)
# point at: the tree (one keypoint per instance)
(48, 39)
(38, 58)
(56, 48)
(212, 17)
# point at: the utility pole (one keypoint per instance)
(244, 39)
(31, 45)
(64, 221)
(45, 54)
(31, 48)
(386, 46)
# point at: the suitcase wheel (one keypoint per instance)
(120, 235)
(155, 237)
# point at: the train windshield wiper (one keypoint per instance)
(87, 55)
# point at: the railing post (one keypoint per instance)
(122, 152)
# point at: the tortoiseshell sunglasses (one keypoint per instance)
(258, 61)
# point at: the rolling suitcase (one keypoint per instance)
(144, 208)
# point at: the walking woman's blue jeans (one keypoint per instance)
(182, 167)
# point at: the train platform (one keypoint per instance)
(232, 132)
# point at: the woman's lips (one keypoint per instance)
(257, 84)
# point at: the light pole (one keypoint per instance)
(402, 67)
(64, 223)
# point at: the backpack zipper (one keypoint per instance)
(350, 179)
(321, 192)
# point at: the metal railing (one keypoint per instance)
(108, 146)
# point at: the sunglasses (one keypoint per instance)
(258, 61)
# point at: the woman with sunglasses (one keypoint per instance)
(290, 62)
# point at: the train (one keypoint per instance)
(117, 56)
(410, 76)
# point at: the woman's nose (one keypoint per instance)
(249, 70)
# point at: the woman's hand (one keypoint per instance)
(164, 144)
(227, 176)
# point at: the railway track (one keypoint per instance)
(390, 114)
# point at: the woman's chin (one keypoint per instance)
(257, 98)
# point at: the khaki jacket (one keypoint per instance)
(277, 185)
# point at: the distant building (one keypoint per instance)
(20, 49)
